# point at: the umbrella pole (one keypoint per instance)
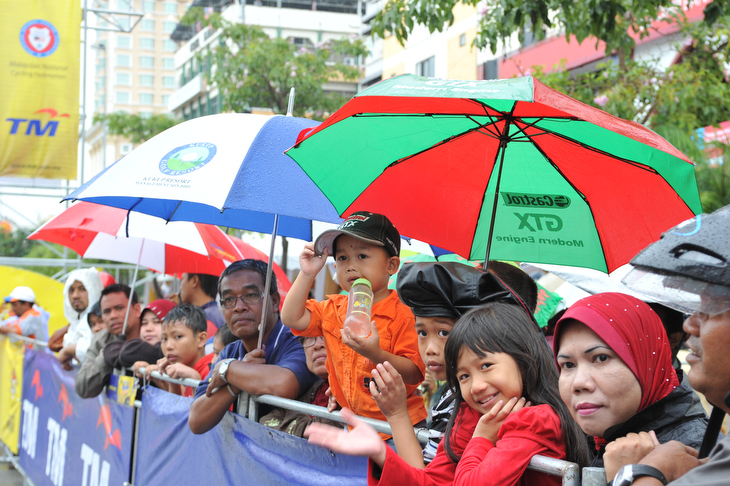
(267, 285)
(131, 292)
(502, 147)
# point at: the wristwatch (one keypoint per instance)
(629, 473)
(223, 369)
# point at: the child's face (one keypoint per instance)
(485, 381)
(217, 348)
(150, 328)
(179, 345)
(358, 259)
(96, 323)
(432, 333)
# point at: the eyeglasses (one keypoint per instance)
(308, 342)
(249, 298)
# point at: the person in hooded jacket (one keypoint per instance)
(82, 290)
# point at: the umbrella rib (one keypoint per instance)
(638, 165)
(437, 144)
(577, 191)
(173, 211)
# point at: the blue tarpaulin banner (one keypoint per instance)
(236, 451)
(65, 439)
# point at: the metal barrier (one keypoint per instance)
(570, 472)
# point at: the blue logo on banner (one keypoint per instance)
(39, 38)
(187, 158)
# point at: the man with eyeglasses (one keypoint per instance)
(688, 270)
(280, 368)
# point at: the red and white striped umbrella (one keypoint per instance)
(108, 233)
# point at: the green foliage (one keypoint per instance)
(610, 21)
(674, 102)
(135, 127)
(250, 69)
(14, 244)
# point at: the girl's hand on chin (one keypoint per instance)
(489, 424)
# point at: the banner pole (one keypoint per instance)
(83, 93)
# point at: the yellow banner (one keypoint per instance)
(39, 75)
(11, 389)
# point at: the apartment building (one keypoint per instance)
(134, 69)
(304, 22)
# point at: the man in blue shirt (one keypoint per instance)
(279, 369)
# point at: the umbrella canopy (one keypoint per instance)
(512, 163)
(228, 170)
(104, 232)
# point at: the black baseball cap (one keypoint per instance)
(370, 227)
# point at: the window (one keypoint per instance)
(122, 97)
(426, 68)
(146, 80)
(148, 6)
(123, 22)
(124, 42)
(147, 61)
(146, 98)
(147, 43)
(165, 99)
(170, 8)
(491, 70)
(145, 114)
(169, 45)
(168, 82)
(124, 60)
(462, 40)
(168, 63)
(148, 25)
(125, 148)
(169, 26)
(101, 62)
(124, 79)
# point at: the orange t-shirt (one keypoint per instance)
(349, 372)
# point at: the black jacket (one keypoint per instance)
(678, 416)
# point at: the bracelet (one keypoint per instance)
(235, 395)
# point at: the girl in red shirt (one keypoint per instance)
(509, 409)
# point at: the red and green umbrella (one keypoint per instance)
(504, 169)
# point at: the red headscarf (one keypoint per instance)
(635, 333)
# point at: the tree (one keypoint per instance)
(610, 21)
(693, 93)
(135, 127)
(253, 70)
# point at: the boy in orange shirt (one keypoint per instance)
(183, 344)
(366, 245)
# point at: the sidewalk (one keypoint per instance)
(9, 476)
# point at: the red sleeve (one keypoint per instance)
(531, 431)
(397, 472)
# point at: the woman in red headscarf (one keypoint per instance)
(616, 374)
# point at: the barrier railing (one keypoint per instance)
(569, 472)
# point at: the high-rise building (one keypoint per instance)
(134, 70)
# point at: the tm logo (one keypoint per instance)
(535, 200)
(35, 127)
(550, 222)
(187, 158)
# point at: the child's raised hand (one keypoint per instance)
(368, 347)
(489, 424)
(389, 391)
(360, 440)
(309, 262)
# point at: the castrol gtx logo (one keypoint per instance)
(522, 200)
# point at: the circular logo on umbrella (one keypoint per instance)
(39, 38)
(187, 158)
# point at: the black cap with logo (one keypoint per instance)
(370, 227)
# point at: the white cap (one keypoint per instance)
(25, 294)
